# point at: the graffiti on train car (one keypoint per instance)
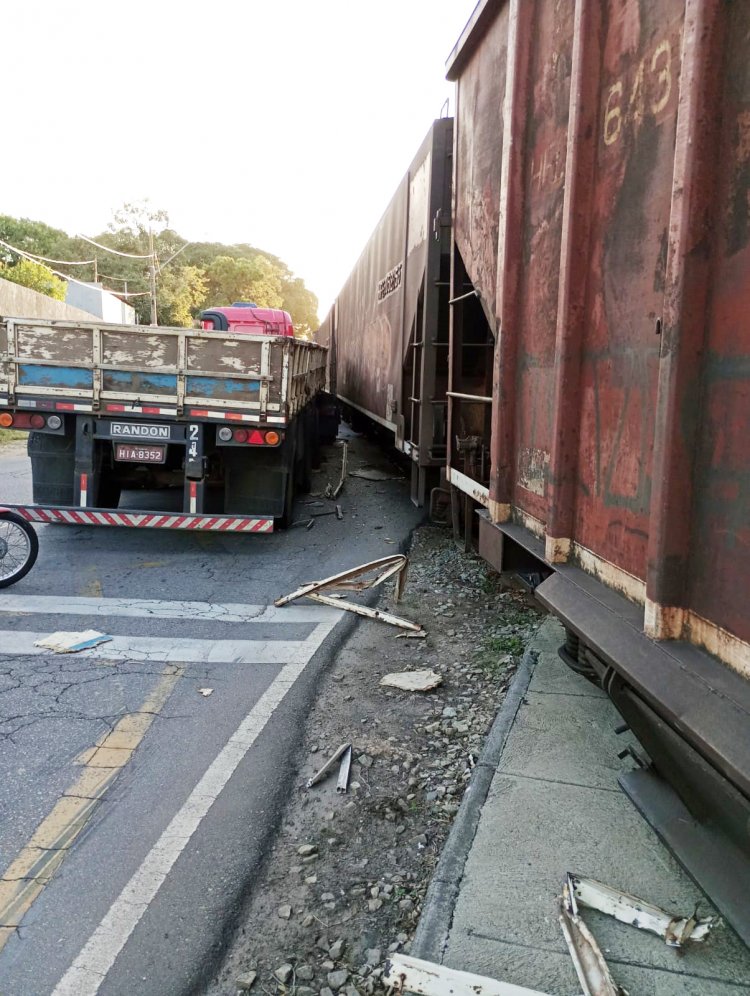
(390, 282)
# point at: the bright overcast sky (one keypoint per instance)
(286, 124)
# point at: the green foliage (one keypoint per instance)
(201, 275)
(36, 277)
(301, 304)
(11, 435)
(252, 279)
(182, 291)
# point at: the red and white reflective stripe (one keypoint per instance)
(236, 416)
(69, 406)
(141, 409)
(84, 490)
(193, 496)
(145, 520)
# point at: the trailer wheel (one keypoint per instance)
(52, 467)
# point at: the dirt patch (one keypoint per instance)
(344, 882)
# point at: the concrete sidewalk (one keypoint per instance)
(545, 801)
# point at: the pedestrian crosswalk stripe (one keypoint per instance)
(171, 650)
(148, 608)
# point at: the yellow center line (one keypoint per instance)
(39, 859)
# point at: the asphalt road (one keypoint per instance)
(135, 808)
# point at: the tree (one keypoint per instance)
(222, 273)
(181, 294)
(35, 276)
(302, 305)
(132, 223)
(231, 279)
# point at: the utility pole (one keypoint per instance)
(152, 276)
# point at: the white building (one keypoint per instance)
(99, 302)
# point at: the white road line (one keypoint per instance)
(90, 968)
(164, 609)
(171, 650)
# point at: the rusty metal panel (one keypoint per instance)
(543, 186)
(605, 145)
(719, 543)
(639, 87)
(478, 159)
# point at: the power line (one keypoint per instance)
(115, 252)
(57, 273)
(63, 262)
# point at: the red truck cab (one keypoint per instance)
(245, 316)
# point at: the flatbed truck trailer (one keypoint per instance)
(228, 422)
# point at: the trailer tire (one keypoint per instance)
(52, 467)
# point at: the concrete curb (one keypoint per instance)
(437, 914)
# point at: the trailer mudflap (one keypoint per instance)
(71, 516)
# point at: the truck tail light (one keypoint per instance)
(23, 420)
(252, 437)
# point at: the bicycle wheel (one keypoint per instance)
(19, 548)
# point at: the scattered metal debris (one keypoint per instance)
(205, 692)
(589, 962)
(384, 568)
(339, 513)
(413, 681)
(309, 525)
(406, 974)
(421, 635)
(346, 762)
(344, 458)
(331, 492)
(675, 929)
(70, 643)
(328, 765)
(365, 610)
(375, 474)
